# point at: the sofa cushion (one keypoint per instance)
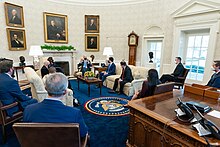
(112, 77)
(136, 74)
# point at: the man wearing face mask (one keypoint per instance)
(215, 78)
(10, 91)
(109, 71)
(86, 64)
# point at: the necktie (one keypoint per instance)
(122, 75)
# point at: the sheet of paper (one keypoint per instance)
(201, 130)
(214, 113)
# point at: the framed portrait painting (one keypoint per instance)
(14, 15)
(55, 28)
(92, 42)
(92, 23)
(16, 39)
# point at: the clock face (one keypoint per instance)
(132, 40)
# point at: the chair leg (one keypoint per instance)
(4, 137)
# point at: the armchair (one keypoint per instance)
(49, 135)
(182, 79)
(38, 89)
(6, 120)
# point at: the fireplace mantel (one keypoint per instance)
(69, 56)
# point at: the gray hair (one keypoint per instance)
(56, 84)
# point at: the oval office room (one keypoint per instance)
(159, 86)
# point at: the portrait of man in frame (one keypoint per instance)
(92, 23)
(16, 39)
(14, 15)
(55, 28)
(92, 42)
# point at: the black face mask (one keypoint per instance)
(85, 58)
(109, 61)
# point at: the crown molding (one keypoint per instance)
(100, 2)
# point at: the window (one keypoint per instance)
(155, 46)
(197, 47)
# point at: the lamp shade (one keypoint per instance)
(108, 51)
(35, 50)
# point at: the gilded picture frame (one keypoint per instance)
(55, 28)
(14, 15)
(92, 42)
(91, 23)
(16, 39)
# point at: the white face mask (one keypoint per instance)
(212, 68)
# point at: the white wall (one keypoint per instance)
(116, 22)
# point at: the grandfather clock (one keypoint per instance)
(132, 43)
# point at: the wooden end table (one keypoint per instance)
(89, 82)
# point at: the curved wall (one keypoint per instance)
(116, 22)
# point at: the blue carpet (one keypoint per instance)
(104, 131)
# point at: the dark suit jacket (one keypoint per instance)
(16, 44)
(91, 27)
(52, 111)
(92, 45)
(44, 71)
(10, 92)
(16, 20)
(111, 70)
(215, 80)
(127, 76)
(179, 70)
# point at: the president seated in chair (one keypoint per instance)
(51, 109)
(178, 72)
(10, 91)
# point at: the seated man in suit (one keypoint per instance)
(44, 69)
(126, 76)
(110, 70)
(215, 79)
(178, 72)
(85, 64)
(10, 91)
(51, 109)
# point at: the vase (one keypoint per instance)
(90, 78)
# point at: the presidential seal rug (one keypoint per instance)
(107, 106)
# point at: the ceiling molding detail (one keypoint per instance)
(100, 2)
(194, 7)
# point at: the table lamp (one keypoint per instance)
(35, 51)
(108, 52)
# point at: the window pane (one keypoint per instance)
(198, 41)
(189, 53)
(191, 41)
(205, 41)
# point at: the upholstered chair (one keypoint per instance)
(38, 89)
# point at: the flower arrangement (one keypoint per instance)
(89, 74)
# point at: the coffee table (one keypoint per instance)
(89, 82)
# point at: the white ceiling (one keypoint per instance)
(100, 2)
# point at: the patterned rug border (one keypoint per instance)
(109, 115)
